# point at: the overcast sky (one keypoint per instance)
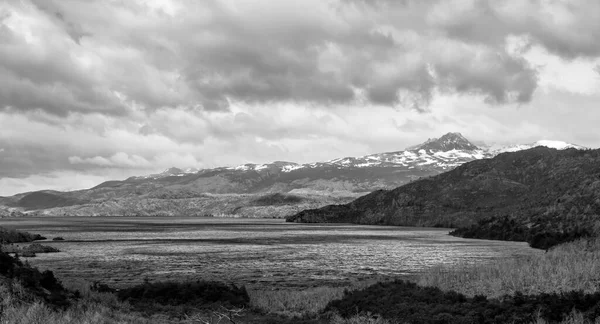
(99, 90)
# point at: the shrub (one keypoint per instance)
(162, 296)
(404, 301)
(13, 236)
(42, 285)
(278, 199)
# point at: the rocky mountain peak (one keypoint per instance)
(448, 142)
(172, 171)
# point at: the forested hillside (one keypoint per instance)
(537, 195)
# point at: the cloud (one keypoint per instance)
(120, 159)
(566, 28)
(117, 58)
(56, 180)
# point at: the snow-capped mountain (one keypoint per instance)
(559, 145)
(230, 190)
(170, 172)
(435, 154)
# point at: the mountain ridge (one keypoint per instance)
(339, 180)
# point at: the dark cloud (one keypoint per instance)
(108, 58)
(19, 161)
(569, 29)
(499, 77)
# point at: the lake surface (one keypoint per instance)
(264, 253)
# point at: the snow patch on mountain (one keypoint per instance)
(559, 145)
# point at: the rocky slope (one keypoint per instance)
(540, 190)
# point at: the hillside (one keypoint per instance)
(517, 196)
(45, 199)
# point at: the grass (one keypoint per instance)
(567, 267)
(294, 304)
(305, 303)
(574, 318)
(18, 307)
(359, 319)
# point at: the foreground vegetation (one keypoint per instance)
(560, 286)
(567, 267)
(8, 236)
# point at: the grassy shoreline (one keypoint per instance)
(571, 269)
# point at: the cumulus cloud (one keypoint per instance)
(94, 87)
(86, 57)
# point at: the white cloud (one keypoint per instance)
(59, 180)
(119, 159)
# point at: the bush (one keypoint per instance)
(161, 296)
(40, 284)
(508, 229)
(278, 199)
(404, 301)
(12, 236)
(29, 250)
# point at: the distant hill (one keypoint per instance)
(45, 199)
(520, 195)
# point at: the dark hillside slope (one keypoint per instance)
(526, 192)
(45, 199)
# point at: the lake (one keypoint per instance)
(263, 253)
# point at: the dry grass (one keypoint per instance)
(299, 303)
(294, 304)
(18, 307)
(359, 319)
(573, 318)
(571, 266)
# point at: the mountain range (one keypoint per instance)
(235, 190)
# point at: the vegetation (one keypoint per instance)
(307, 303)
(567, 267)
(162, 296)
(39, 285)
(278, 199)
(29, 249)
(13, 236)
(406, 302)
(509, 229)
(43, 200)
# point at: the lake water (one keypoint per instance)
(257, 252)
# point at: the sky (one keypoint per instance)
(102, 90)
